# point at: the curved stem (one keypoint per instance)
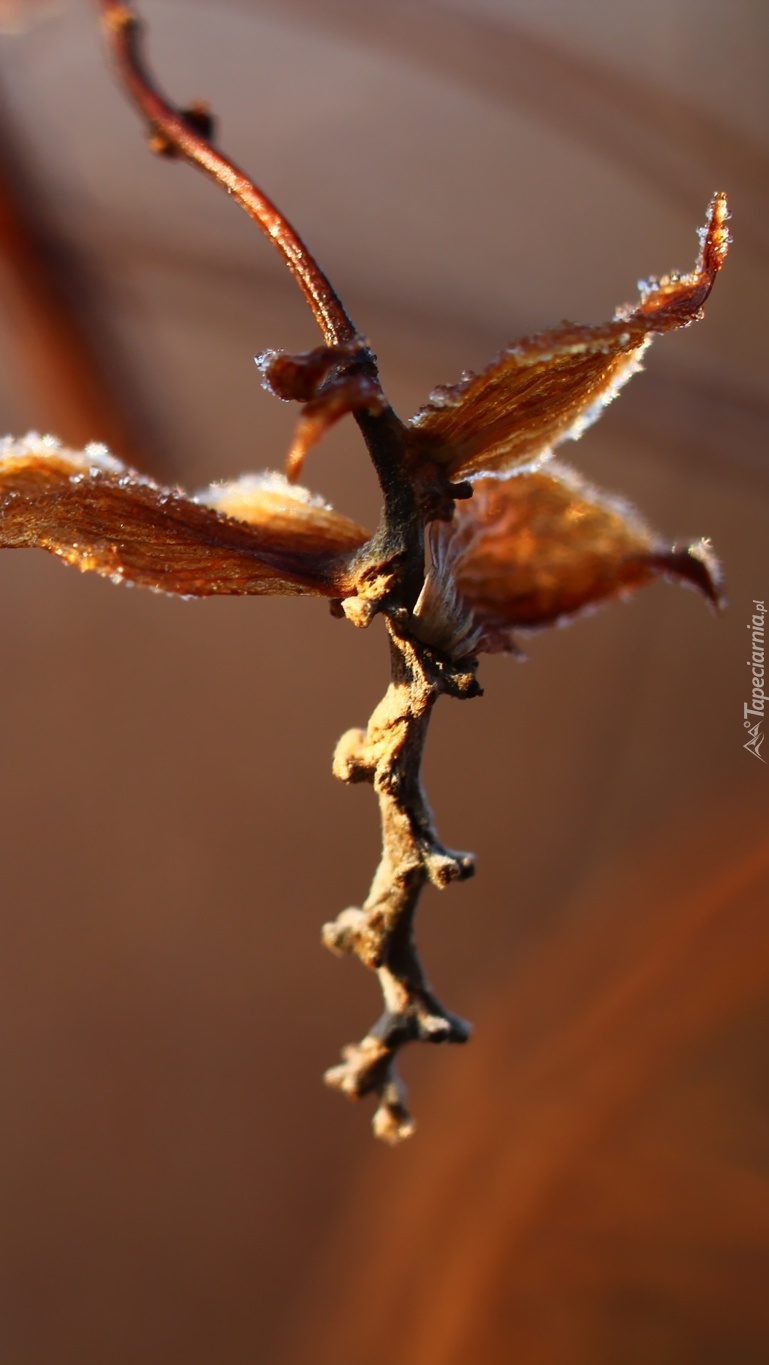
(181, 136)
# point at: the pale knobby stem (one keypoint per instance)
(388, 755)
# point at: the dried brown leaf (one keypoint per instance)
(548, 388)
(329, 382)
(533, 549)
(255, 536)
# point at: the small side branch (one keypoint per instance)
(186, 133)
(388, 755)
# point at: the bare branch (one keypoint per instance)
(187, 133)
(489, 573)
(388, 754)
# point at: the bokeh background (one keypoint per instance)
(590, 1177)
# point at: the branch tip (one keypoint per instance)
(186, 133)
(392, 1123)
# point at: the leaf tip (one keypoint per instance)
(715, 236)
(695, 566)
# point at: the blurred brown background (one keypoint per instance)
(590, 1177)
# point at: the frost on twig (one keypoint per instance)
(513, 545)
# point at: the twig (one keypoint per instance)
(397, 550)
(389, 574)
(388, 755)
(182, 132)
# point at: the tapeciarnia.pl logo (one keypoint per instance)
(755, 707)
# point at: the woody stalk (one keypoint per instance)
(515, 541)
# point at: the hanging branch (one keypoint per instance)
(521, 552)
(389, 577)
(388, 754)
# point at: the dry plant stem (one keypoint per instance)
(536, 393)
(174, 132)
(389, 577)
(381, 935)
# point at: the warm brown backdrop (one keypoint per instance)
(590, 1178)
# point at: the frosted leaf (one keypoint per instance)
(93, 512)
(537, 550)
(548, 388)
(270, 500)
